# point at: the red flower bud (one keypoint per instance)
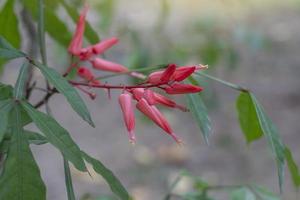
(125, 101)
(85, 73)
(178, 88)
(76, 43)
(105, 65)
(167, 74)
(182, 73)
(155, 115)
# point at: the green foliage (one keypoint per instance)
(5, 107)
(5, 91)
(243, 193)
(9, 24)
(19, 89)
(21, 179)
(115, 185)
(56, 135)
(248, 118)
(267, 127)
(252, 192)
(293, 168)
(62, 85)
(199, 112)
(7, 51)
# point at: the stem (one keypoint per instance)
(41, 31)
(68, 180)
(136, 70)
(116, 86)
(173, 185)
(231, 85)
(46, 98)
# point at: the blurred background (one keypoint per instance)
(254, 43)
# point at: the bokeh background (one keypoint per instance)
(254, 43)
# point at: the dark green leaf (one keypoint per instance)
(199, 111)
(5, 91)
(5, 108)
(62, 85)
(7, 51)
(68, 181)
(56, 135)
(21, 179)
(272, 137)
(35, 138)
(90, 33)
(115, 185)
(19, 89)
(242, 194)
(9, 24)
(293, 168)
(248, 118)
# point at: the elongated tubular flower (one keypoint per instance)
(99, 48)
(160, 99)
(105, 65)
(87, 74)
(167, 74)
(182, 73)
(155, 98)
(178, 88)
(155, 115)
(76, 43)
(125, 101)
(179, 74)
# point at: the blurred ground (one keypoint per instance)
(272, 73)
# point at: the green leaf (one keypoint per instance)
(19, 89)
(242, 194)
(272, 137)
(248, 118)
(68, 181)
(199, 112)
(7, 51)
(263, 194)
(5, 108)
(35, 138)
(53, 25)
(5, 91)
(62, 85)
(21, 178)
(9, 24)
(90, 33)
(56, 135)
(293, 168)
(115, 185)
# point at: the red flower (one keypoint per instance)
(178, 88)
(99, 48)
(125, 101)
(105, 65)
(76, 43)
(86, 74)
(155, 115)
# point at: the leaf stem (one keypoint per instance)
(68, 180)
(41, 31)
(231, 85)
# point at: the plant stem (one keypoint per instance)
(231, 85)
(68, 180)
(41, 31)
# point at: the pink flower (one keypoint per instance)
(155, 115)
(160, 99)
(125, 101)
(99, 48)
(76, 43)
(105, 65)
(167, 74)
(182, 73)
(178, 88)
(137, 93)
(149, 96)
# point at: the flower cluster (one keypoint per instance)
(168, 80)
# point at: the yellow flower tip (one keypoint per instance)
(132, 142)
(203, 66)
